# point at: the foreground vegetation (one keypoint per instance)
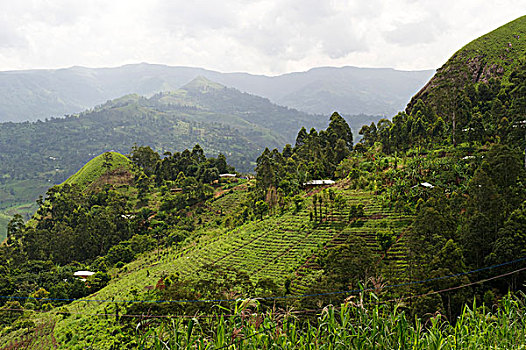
(354, 325)
(349, 326)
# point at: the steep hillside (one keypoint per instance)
(495, 55)
(283, 251)
(40, 94)
(476, 97)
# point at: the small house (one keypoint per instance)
(83, 275)
(228, 178)
(424, 184)
(317, 183)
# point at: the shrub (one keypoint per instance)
(120, 253)
(98, 281)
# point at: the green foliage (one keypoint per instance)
(120, 252)
(350, 327)
(314, 156)
(385, 239)
(98, 281)
(475, 94)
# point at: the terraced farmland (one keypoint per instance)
(376, 218)
(278, 247)
(281, 247)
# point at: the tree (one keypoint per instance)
(340, 151)
(511, 242)
(198, 154)
(14, 229)
(143, 184)
(301, 138)
(385, 240)
(107, 160)
(298, 203)
(265, 171)
(120, 252)
(287, 151)
(314, 203)
(339, 129)
(261, 208)
(145, 158)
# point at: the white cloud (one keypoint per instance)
(261, 36)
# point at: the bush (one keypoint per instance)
(120, 253)
(9, 313)
(141, 243)
(98, 281)
(177, 236)
(23, 324)
(99, 264)
(385, 239)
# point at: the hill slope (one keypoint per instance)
(219, 119)
(98, 166)
(280, 248)
(39, 94)
(495, 55)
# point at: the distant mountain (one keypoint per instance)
(38, 94)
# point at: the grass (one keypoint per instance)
(18, 197)
(503, 46)
(94, 169)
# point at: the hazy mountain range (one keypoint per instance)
(38, 94)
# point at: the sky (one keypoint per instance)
(256, 36)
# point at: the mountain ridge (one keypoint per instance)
(38, 94)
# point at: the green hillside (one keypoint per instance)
(493, 56)
(416, 232)
(476, 97)
(98, 166)
(43, 93)
(278, 248)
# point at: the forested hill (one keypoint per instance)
(480, 76)
(479, 95)
(37, 155)
(221, 120)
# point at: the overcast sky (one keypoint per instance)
(262, 37)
